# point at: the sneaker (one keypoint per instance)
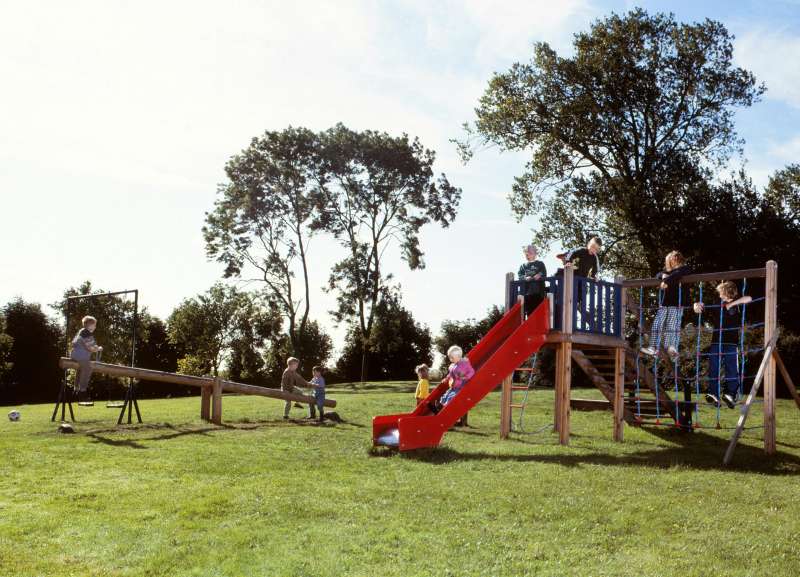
(730, 400)
(649, 351)
(712, 399)
(673, 353)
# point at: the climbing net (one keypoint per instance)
(687, 372)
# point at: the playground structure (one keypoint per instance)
(588, 322)
(211, 388)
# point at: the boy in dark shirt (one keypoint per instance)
(533, 272)
(666, 329)
(727, 325)
(584, 260)
(83, 345)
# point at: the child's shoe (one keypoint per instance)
(673, 353)
(712, 399)
(730, 400)
(649, 351)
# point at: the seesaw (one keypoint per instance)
(211, 389)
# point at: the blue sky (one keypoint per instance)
(117, 119)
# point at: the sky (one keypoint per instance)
(117, 118)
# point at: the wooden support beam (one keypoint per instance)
(505, 408)
(770, 335)
(564, 376)
(619, 396)
(702, 277)
(205, 403)
(762, 369)
(786, 378)
(216, 402)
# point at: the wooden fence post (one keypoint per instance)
(216, 404)
(770, 329)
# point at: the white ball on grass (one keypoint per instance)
(14, 415)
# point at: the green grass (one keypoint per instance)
(260, 496)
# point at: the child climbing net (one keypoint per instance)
(728, 345)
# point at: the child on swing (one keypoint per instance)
(666, 330)
(724, 345)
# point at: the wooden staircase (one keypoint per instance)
(599, 365)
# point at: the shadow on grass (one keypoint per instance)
(173, 432)
(696, 451)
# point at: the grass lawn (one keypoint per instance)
(260, 496)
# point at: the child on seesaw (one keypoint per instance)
(724, 351)
(291, 381)
(533, 272)
(319, 394)
(423, 385)
(83, 345)
(666, 329)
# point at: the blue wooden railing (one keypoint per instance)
(596, 304)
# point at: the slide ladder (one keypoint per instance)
(504, 348)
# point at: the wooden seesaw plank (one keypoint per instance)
(192, 381)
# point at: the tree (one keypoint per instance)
(376, 189)
(316, 346)
(398, 343)
(6, 345)
(206, 328)
(623, 135)
(36, 348)
(260, 219)
(466, 333)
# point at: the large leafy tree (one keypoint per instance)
(623, 135)
(34, 375)
(6, 344)
(259, 225)
(398, 343)
(208, 327)
(376, 190)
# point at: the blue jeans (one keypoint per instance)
(319, 398)
(723, 356)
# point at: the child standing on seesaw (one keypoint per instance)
(533, 272)
(291, 381)
(666, 329)
(83, 345)
(724, 346)
(423, 385)
(319, 394)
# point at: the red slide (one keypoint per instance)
(504, 348)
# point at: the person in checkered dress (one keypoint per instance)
(666, 330)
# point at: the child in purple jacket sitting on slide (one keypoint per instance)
(458, 374)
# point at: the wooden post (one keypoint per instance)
(564, 369)
(556, 403)
(619, 368)
(619, 394)
(216, 403)
(205, 403)
(505, 394)
(770, 330)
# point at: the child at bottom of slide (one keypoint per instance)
(423, 385)
(319, 394)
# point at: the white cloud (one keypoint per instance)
(772, 55)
